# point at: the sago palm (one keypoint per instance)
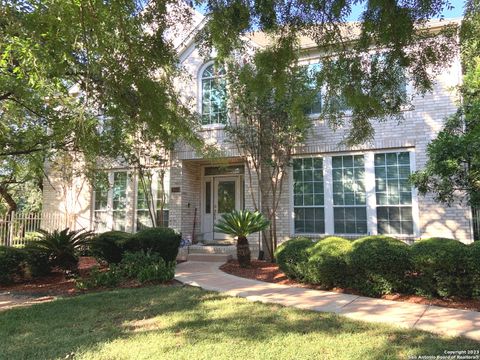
(241, 224)
(62, 247)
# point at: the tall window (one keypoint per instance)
(393, 193)
(308, 195)
(152, 200)
(316, 107)
(101, 189)
(349, 197)
(214, 96)
(110, 201)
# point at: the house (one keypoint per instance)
(330, 189)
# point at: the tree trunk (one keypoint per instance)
(12, 204)
(243, 252)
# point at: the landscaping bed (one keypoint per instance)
(270, 272)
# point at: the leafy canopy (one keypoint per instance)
(369, 89)
(453, 166)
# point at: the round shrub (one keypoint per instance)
(11, 264)
(110, 246)
(38, 263)
(380, 265)
(474, 267)
(440, 268)
(164, 241)
(327, 263)
(292, 257)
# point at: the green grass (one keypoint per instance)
(189, 323)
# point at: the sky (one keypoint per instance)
(455, 12)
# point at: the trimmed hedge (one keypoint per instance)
(441, 268)
(11, 264)
(292, 257)
(474, 266)
(110, 246)
(163, 241)
(327, 262)
(379, 265)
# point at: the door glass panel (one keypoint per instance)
(208, 197)
(226, 196)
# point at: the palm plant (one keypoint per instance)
(62, 247)
(241, 224)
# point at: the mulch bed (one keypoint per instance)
(269, 272)
(57, 284)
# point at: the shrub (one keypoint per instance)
(62, 247)
(110, 246)
(37, 262)
(380, 265)
(97, 278)
(11, 264)
(292, 257)
(164, 241)
(474, 267)
(327, 263)
(441, 267)
(146, 267)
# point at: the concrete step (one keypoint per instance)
(209, 257)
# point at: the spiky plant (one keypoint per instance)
(62, 247)
(241, 224)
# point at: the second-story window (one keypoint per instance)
(214, 96)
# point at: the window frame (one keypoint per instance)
(200, 78)
(369, 189)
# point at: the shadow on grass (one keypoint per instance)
(86, 323)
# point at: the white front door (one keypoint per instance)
(221, 195)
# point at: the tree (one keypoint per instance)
(241, 224)
(269, 95)
(86, 78)
(452, 170)
(369, 89)
(406, 47)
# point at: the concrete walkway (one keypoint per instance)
(9, 301)
(451, 322)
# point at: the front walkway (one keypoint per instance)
(451, 322)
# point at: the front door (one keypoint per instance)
(224, 194)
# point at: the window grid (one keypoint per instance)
(119, 200)
(349, 195)
(214, 96)
(393, 193)
(101, 202)
(144, 219)
(308, 193)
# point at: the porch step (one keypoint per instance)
(203, 249)
(209, 257)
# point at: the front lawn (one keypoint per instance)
(188, 323)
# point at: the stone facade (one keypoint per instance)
(420, 125)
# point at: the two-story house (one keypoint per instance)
(330, 189)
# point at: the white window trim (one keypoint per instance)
(369, 156)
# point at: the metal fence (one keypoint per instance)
(18, 228)
(476, 222)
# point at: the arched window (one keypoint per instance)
(214, 96)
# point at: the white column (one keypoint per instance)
(328, 189)
(370, 193)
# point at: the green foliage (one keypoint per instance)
(327, 262)
(370, 89)
(141, 266)
(147, 267)
(453, 165)
(241, 223)
(164, 241)
(98, 278)
(292, 257)
(441, 267)
(11, 264)
(110, 246)
(474, 267)
(379, 265)
(62, 247)
(38, 262)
